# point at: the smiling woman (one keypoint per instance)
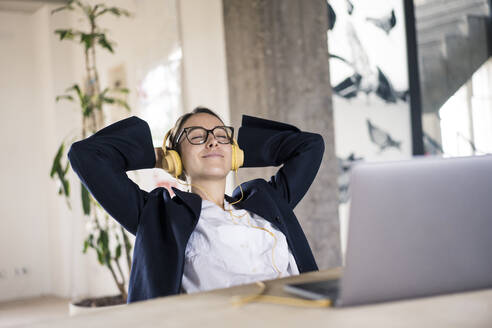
(204, 239)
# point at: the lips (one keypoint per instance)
(213, 155)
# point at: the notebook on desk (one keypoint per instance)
(417, 228)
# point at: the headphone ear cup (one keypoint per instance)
(237, 156)
(173, 161)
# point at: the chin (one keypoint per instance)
(215, 174)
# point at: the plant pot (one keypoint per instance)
(92, 304)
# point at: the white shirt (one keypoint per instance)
(221, 253)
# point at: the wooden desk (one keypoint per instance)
(213, 309)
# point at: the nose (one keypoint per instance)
(211, 141)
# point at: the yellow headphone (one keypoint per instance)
(175, 166)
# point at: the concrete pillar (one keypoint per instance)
(277, 68)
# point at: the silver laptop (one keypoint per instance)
(417, 228)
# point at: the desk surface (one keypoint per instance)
(214, 309)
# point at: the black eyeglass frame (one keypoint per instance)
(185, 131)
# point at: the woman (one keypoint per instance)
(199, 240)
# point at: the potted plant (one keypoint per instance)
(101, 230)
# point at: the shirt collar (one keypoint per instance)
(250, 202)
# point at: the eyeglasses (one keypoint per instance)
(198, 135)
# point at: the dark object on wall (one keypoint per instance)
(350, 7)
(351, 86)
(345, 166)
(469, 142)
(386, 23)
(431, 146)
(332, 17)
(386, 91)
(381, 138)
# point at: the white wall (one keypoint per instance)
(22, 223)
(204, 60)
(27, 123)
(205, 75)
(37, 230)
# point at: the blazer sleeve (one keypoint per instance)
(101, 161)
(271, 143)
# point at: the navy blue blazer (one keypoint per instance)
(162, 225)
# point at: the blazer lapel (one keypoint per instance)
(256, 201)
(193, 201)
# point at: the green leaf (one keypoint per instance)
(87, 109)
(115, 11)
(103, 243)
(99, 239)
(120, 102)
(103, 92)
(86, 202)
(86, 245)
(105, 43)
(107, 256)
(66, 7)
(78, 3)
(59, 175)
(66, 169)
(68, 97)
(87, 39)
(122, 90)
(100, 257)
(56, 161)
(84, 100)
(56, 169)
(90, 241)
(104, 239)
(119, 11)
(118, 252)
(76, 88)
(96, 7)
(108, 100)
(86, 9)
(67, 34)
(66, 187)
(123, 103)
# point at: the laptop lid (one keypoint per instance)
(417, 228)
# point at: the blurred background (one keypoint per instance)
(381, 80)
